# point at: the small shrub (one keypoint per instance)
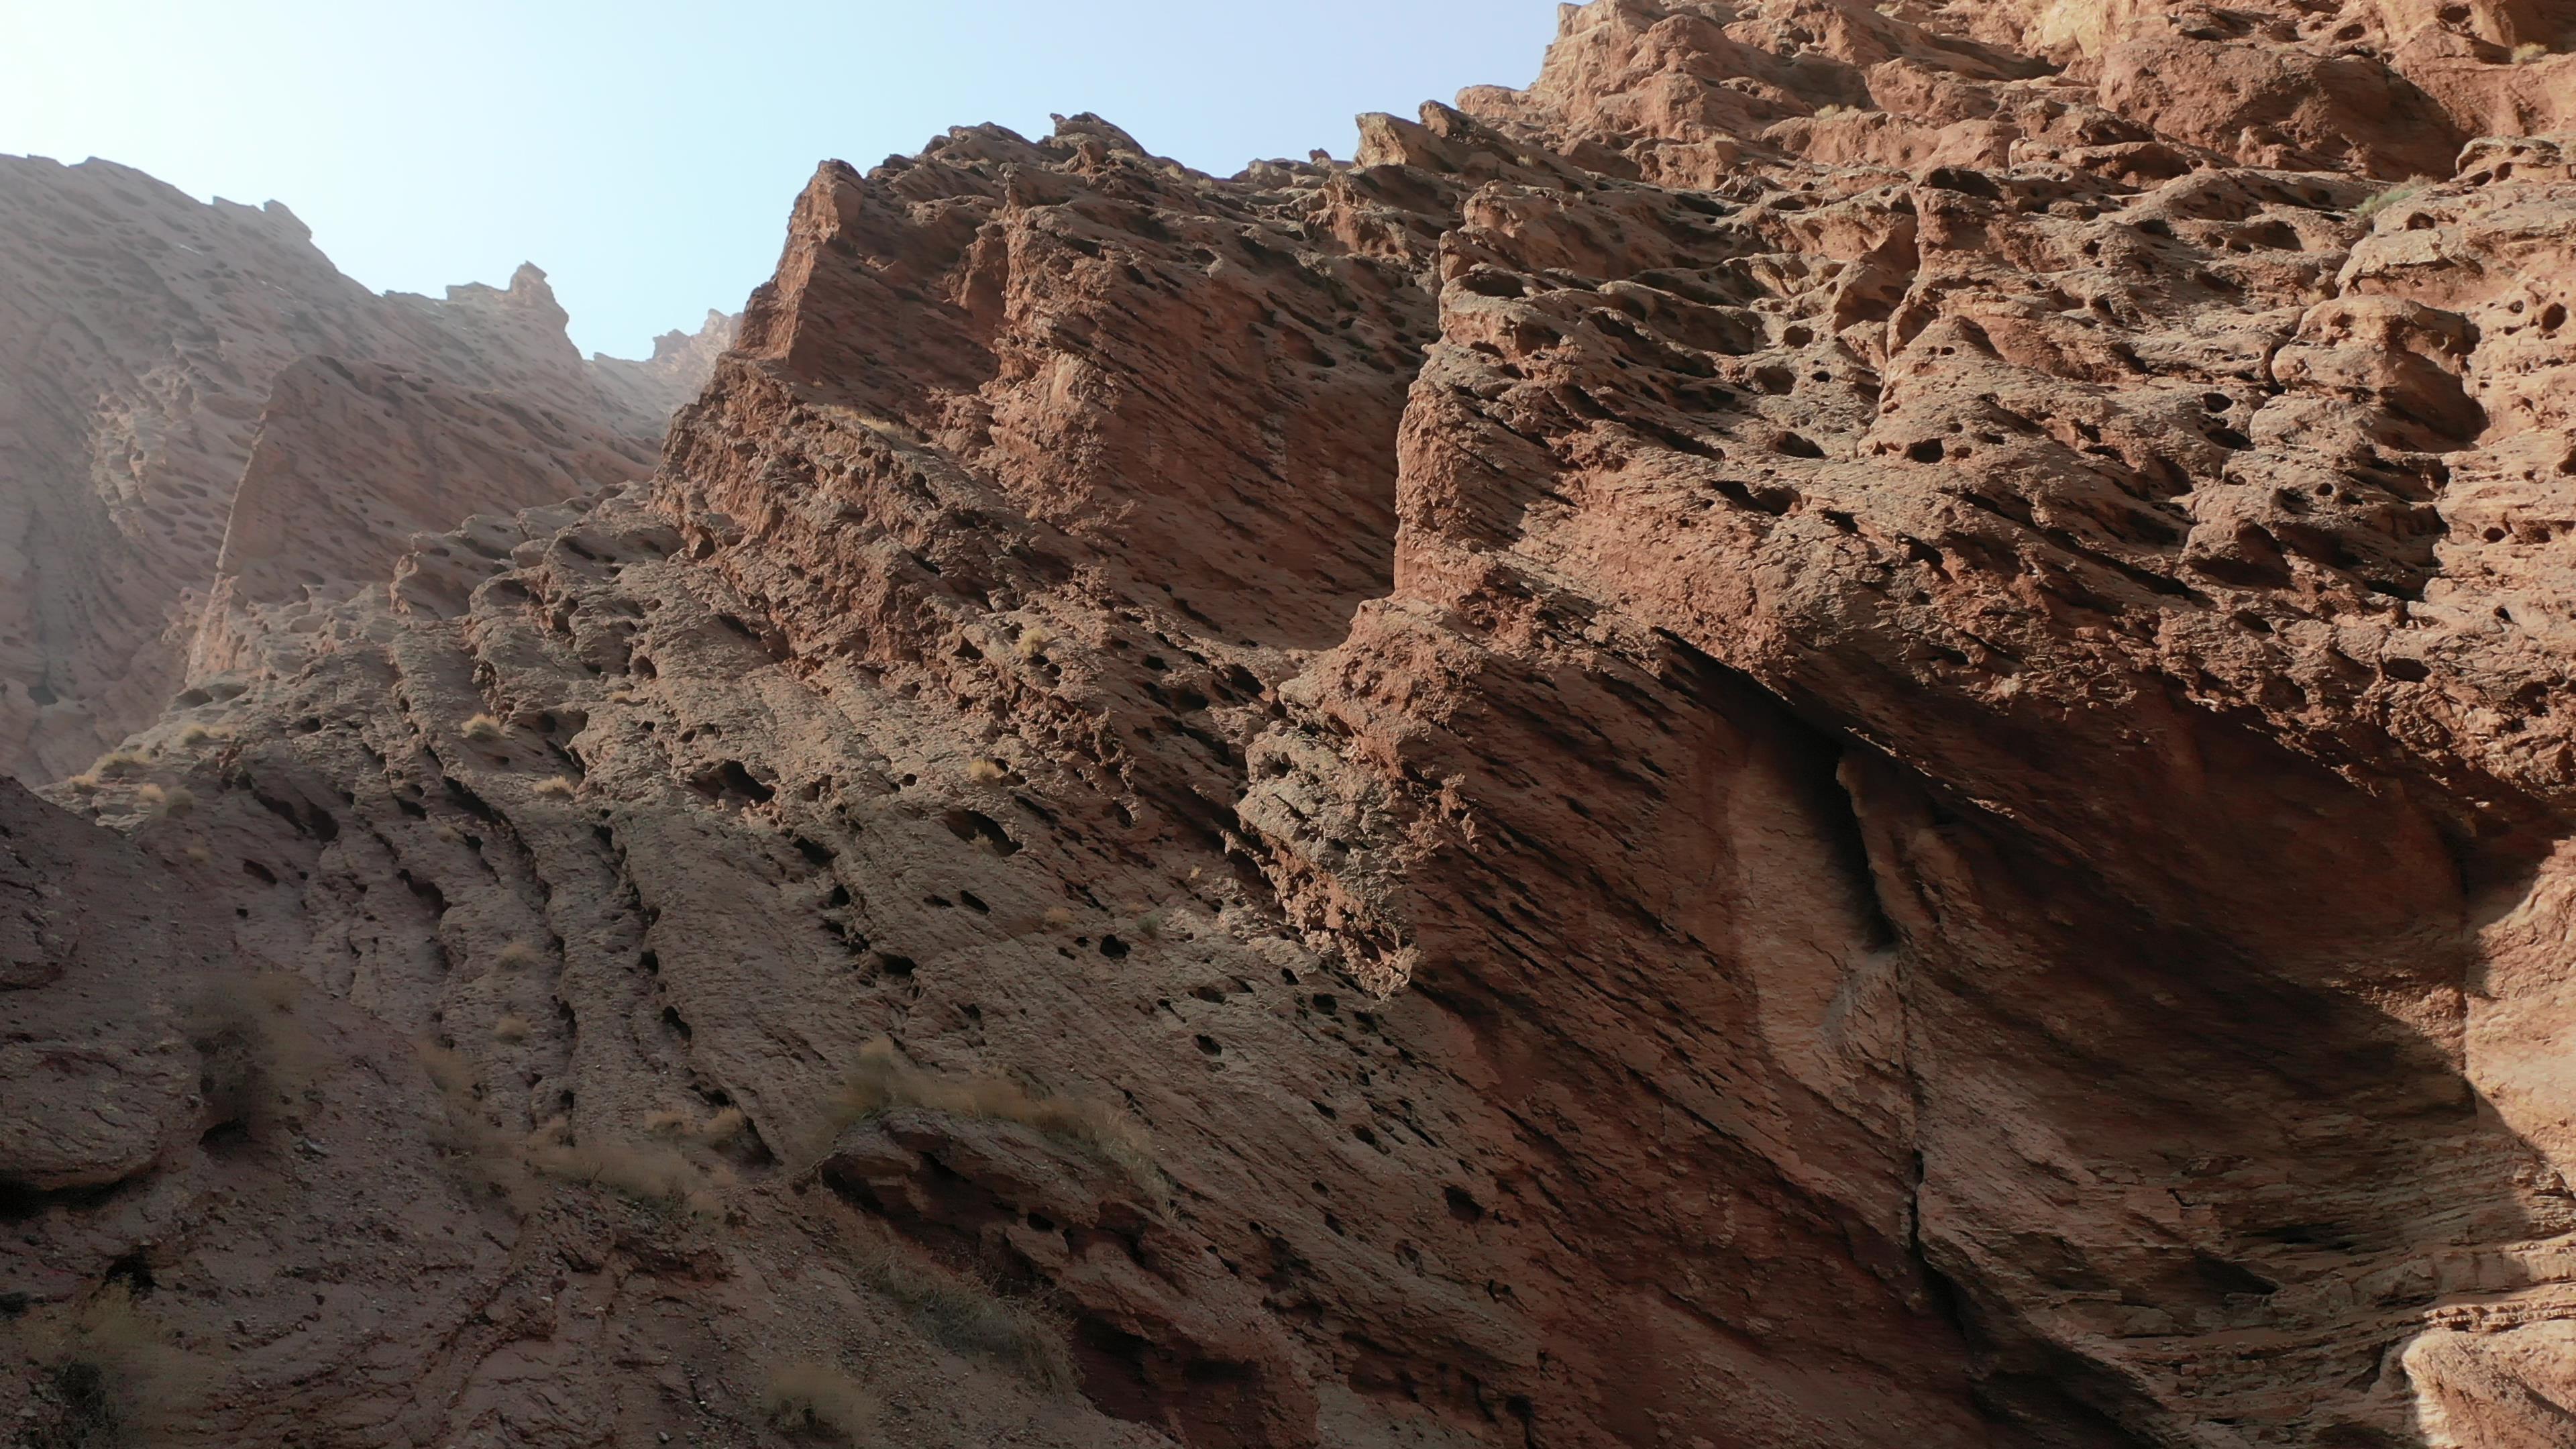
(1033, 643)
(987, 772)
(2402, 192)
(815, 1398)
(970, 1316)
(2529, 51)
(482, 728)
(174, 801)
(84, 783)
(199, 855)
(519, 956)
(119, 765)
(511, 1027)
(193, 735)
(558, 788)
(883, 1080)
(1828, 113)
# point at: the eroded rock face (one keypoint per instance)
(156, 347)
(1844, 730)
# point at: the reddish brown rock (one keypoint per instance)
(1843, 730)
(143, 333)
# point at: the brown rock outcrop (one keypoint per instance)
(143, 334)
(656, 386)
(1843, 730)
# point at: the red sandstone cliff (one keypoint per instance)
(1844, 730)
(148, 346)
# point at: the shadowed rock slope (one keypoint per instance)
(1846, 729)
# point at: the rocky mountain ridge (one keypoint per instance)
(1842, 730)
(162, 356)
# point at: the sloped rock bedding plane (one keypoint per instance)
(199, 413)
(1850, 728)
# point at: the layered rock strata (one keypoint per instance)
(1843, 730)
(155, 348)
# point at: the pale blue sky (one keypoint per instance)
(645, 153)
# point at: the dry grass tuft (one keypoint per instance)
(119, 765)
(193, 735)
(257, 1058)
(970, 1316)
(199, 855)
(818, 1399)
(1033, 643)
(511, 1027)
(519, 956)
(2529, 51)
(558, 788)
(110, 1376)
(1058, 918)
(174, 800)
(482, 728)
(650, 1174)
(883, 1080)
(988, 772)
(487, 1154)
(84, 783)
(2402, 192)
(708, 1131)
(1828, 113)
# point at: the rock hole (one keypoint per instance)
(974, 825)
(132, 1271)
(730, 781)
